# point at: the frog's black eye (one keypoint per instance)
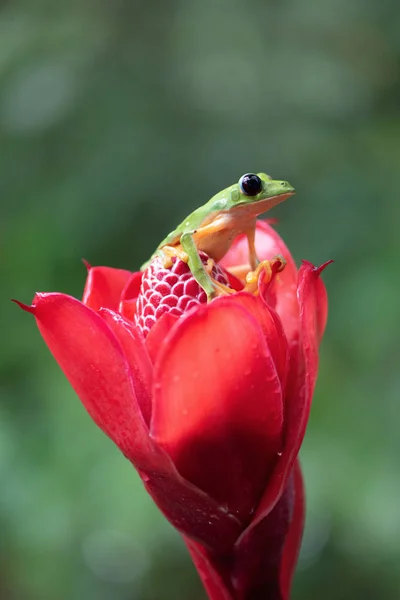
(250, 184)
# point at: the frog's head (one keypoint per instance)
(255, 193)
(253, 187)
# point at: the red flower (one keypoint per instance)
(211, 408)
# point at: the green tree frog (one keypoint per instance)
(211, 228)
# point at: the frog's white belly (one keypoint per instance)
(217, 244)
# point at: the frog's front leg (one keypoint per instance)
(199, 271)
(253, 259)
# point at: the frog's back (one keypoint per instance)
(198, 218)
(201, 216)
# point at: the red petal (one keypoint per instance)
(216, 586)
(313, 303)
(127, 308)
(104, 286)
(217, 408)
(93, 360)
(301, 384)
(192, 511)
(94, 363)
(26, 307)
(264, 567)
(272, 330)
(322, 309)
(134, 348)
(295, 534)
(233, 281)
(132, 287)
(256, 571)
(321, 299)
(158, 333)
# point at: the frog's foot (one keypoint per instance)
(209, 266)
(267, 268)
(220, 289)
(167, 253)
(278, 263)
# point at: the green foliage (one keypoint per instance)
(116, 120)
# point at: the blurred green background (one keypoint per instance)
(116, 120)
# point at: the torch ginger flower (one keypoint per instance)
(208, 401)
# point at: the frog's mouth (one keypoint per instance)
(261, 206)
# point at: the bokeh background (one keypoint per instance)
(116, 120)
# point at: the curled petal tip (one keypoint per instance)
(322, 267)
(25, 307)
(317, 270)
(87, 264)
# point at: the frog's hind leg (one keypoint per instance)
(253, 258)
(199, 271)
(220, 288)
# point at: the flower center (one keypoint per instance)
(174, 290)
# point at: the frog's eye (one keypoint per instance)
(250, 184)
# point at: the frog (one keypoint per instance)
(212, 227)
